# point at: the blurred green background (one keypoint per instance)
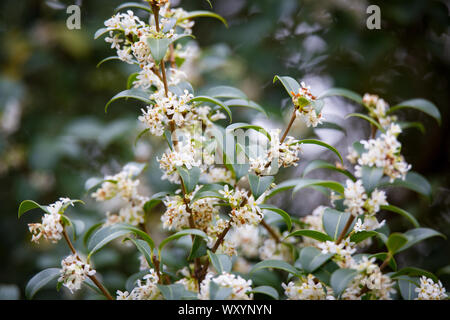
(54, 133)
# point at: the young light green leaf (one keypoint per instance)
(421, 105)
(340, 279)
(395, 242)
(258, 184)
(40, 280)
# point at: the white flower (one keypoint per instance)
(176, 216)
(271, 250)
(74, 272)
(51, 227)
(144, 290)
(355, 196)
(240, 287)
(429, 290)
(247, 239)
(250, 213)
(306, 289)
(377, 199)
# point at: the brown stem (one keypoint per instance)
(346, 227)
(385, 262)
(288, 127)
(93, 278)
(373, 131)
(270, 230)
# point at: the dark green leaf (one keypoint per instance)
(275, 264)
(310, 234)
(343, 93)
(340, 279)
(402, 212)
(290, 84)
(202, 13)
(334, 222)
(190, 177)
(395, 242)
(421, 105)
(258, 184)
(312, 258)
(221, 262)
(370, 177)
(138, 94)
(268, 291)
(286, 217)
(40, 280)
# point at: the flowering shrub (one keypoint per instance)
(237, 245)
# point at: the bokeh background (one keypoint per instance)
(54, 133)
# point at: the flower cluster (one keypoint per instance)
(284, 153)
(74, 272)
(239, 287)
(124, 185)
(145, 289)
(303, 101)
(383, 152)
(308, 288)
(429, 290)
(51, 227)
(358, 202)
(378, 109)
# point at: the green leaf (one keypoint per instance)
(28, 205)
(198, 248)
(370, 177)
(226, 92)
(343, 93)
(138, 94)
(107, 234)
(144, 249)
(202, 13)
(154, 200)
(322, 144)
(285, 185)
(321, 164)
(275, 264)
(324, 272)
(362, 235)
(406, 125)
(221, 262)
(268, 291)
(413, 181)
(181, 87)
(258, 184)
(138, 5)
(395, 242)
(286, 217)
(245, 103)
(242, 125)
(40, 280)
(214, 101)
(421, 105)
(131, 281)
(100, 32)
(419, 234)
(176, 291)
(217, 292)
(408, 287)
(413, 272)
(306, 183)
(89, 232)
(402, 212)
(317, 235)
(290, 84)
(140, 135)
(190, 177)
(183, 233)
(330, 125)
(367, 118)
(107, 59)
(340, 279)
(334, 222)
(312, 258)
